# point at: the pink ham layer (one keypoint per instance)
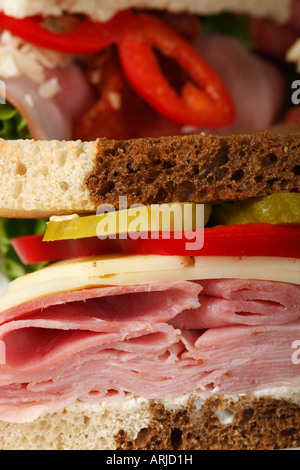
(157, 340)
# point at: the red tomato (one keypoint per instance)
(233, 240)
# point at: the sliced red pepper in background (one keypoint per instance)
(204, 100)
(233, 240)
(88, 38)
(134, 119)
(186, 24)
(107, 117)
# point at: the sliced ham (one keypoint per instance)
(246, 358)
(246, 302)
(98, 344)
(177, 293)
(101, 315)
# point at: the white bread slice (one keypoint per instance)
(104, 9)
(43, 178)
(267, 420)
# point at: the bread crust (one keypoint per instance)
(218, 423)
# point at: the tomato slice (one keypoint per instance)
(234, 240)
(32, 250)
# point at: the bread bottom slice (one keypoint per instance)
(247, 422)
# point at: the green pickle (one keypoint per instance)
(127, 221)
(274, 209)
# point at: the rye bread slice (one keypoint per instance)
(197, 168)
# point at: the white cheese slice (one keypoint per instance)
(130, 270)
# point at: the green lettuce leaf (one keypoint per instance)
(10, 264)
(13, 126)
(229, 24)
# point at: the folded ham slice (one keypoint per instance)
(247, 302)
(245, 359)
(101, 343)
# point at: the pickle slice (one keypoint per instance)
(155, 218)
(274, 209)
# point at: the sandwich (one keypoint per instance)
(70, 67)
(141, 334)
(75, 70)
(135, 337)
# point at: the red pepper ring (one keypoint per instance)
(88, 37)
(207, 105)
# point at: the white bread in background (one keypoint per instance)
(266, 421)
(103, 10)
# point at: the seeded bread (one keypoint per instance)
(184, 423)
(104, 9)
(41, 179)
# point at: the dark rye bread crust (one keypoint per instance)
(258, 424)
(197, 168)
